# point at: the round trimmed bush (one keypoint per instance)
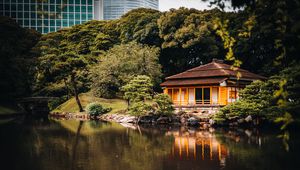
(96, 109)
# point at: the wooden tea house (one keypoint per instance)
(212, 84)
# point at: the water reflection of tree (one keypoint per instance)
(73, 161)
(43, 145)
(129, 149)
(114, 147)
(146, 151)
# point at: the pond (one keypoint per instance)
(43, 144)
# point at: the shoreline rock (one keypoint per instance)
(190, 119)
(183, 119)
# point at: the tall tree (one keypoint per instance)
(66, 67)
(140, 25)
(272, 41)
(120, 64)
(188, 39)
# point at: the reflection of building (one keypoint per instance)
(51, 15)
(198, 146)
(213, 84)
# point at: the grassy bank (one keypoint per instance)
(7, 111)
(86, 98)
(4, 110)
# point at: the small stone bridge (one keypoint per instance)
(35, 105)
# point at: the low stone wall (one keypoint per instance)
(193, 118)
(202, 120)
(71, 115)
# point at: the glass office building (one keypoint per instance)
(51, 15)
(114, 9)
(48, 15)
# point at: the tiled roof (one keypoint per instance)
(186, 82)
(211, 73)
(215, 69)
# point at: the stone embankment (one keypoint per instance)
(71, 115)
(181, 118)
(198, 119)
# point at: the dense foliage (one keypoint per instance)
(139, 94)
(120, 64)
(84, 41)
(268, 39)
(260, 99)
(256, 99)
(105, 55)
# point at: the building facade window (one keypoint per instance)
(52, 15)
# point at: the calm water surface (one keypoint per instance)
(69, 144)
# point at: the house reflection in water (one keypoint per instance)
(201, 145)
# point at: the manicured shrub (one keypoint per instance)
(164, 104)
(139, 89)
(139, 109)
(96, 109)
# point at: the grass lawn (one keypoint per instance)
(86, 98)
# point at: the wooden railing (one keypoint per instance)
(193, 102)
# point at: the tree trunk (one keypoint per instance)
(67, 88)
(128, 103)
(76, 92)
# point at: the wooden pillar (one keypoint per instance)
(173, 96)
(219, 95)
(188, 96)
(202, 95)
(210, 99)
(180, 96)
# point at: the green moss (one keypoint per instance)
(86, 98)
